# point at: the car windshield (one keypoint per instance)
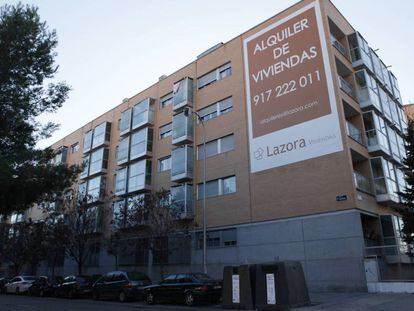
(30, 278)
(202, 277)
(137, 276)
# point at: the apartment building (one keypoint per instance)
(303, 125)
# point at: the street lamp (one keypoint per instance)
(187, 112)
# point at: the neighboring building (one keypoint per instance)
(409, 111)
(306, 166)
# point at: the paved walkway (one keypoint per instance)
(360, 302)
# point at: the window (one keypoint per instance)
(118, 213)
(87, 141)
(182, 128)
(141, 143)
(183, 93)
(218, 238)
(164, 164)
(123, 150)
(16, 217)
(142, 113)
(166, 100)
(166, 130)
(139, 175)
(181, 163)
(95, 188)
(120, 181)
(216, 109)
(85, 165)
(215, 75)
(182, 200)
(74, 148)
(125, 124)
(217, 187)
(99, 161)
(215, 147)
(101, 134)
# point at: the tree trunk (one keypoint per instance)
(116, 262)
(150, 260)
(80, 268)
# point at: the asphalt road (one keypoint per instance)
(28, 303)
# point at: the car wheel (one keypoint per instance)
(122, 297)
(150, 298)
(189, 299)
(95, 295)
(17, 290)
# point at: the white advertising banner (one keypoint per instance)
(292, 112)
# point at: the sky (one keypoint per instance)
(112, 49)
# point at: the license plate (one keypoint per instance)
(217, 287)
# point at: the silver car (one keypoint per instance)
(19, 284)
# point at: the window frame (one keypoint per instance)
(220, 187)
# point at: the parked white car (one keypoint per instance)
(19, 284)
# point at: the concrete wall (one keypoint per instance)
(330, 247)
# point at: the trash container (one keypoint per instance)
(280, 286)
(238, 287)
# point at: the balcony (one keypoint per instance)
(360, 52)
(367, 90)
(336, 44)
(85, 167)
(182, 129)
(346, 87)
(143, 113)
(183, 93)
(376, 133)
(182, 163)
(123, 151)
(355, 133)
(385, 181)
(139, 176)
(182, 201)
(126, 122)
(363, 183)
(121, 181)
(98, 163)
(60, 156)
(87, 141)
(95, 189)
(101, 135)
(377, 142)
(141, 144)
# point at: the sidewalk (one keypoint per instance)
(326, 302)
(360, 302)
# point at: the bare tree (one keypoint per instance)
(154, 218)
(22, 244)
(83, 221)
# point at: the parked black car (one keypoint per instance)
(121, 285)
(3, 282)
(188, 288)
(44, 286)
(74, 286)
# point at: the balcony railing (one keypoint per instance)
(355, 133)
(338, 45)
(363, 183)
(346, 86)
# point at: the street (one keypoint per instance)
(28, 303)
(320, 301)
